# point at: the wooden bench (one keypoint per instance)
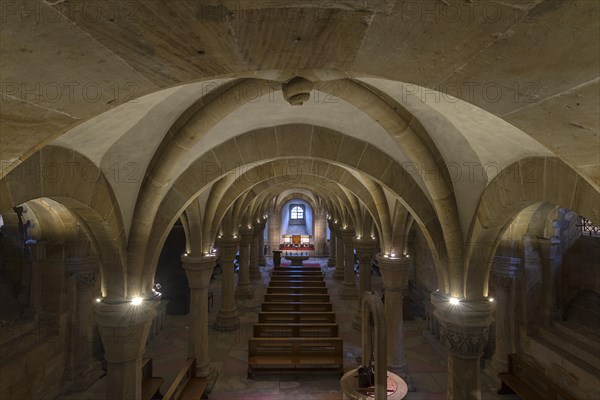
(187, 386)
(297, 283)
(314, 278)
(296, 306)
(296, 290)
(274, 355)
(529, 382)
(299, 298)
(296, 317)
(150, 384)
(296, 330)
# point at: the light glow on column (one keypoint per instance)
(136, 301)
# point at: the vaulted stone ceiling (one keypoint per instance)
(534, 63)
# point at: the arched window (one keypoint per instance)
(297, 212)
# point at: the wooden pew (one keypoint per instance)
(314, 278)
(187, 386)
(296, 330)
(321, 298)
(296, 290)
(296, 317)
(529, 382)
(297, 306)
(150, 384)
(295, 355)
(297, 283)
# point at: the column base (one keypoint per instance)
(211, 379)
(83, 377)
(338, 274)
(349, 292)
(331, 262)
(244, 291)
(227, 321)
(255, 274)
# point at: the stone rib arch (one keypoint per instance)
(86, 194)
(432, 239)
(522, 184)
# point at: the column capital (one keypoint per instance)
(124, 328)
(504, 271)
(246, 235)
(198, 270)
(228, 246)
(464, 327)
(348, 235)
(365, 245)
(394, 272)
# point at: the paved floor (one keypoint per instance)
(228, 353)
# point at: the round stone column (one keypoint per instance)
(124, 329)
(261, 245)
(339, 255)
(244, 288)
(332, 245)
(198, 271)
(349, 291)
(504, 276)
(227, 317)
(394, 275)
(365, 249)
(464, 330)
(82, 370)
(253, 266)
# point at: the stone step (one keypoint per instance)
(576, 352)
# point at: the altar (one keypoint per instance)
(297, 260)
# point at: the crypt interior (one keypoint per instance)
(164, 162)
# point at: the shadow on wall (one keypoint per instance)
(171, 275)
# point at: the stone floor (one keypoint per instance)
(228, 352)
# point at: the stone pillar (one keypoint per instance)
(253, 266)
(365, 249)
(504, 276)
(274, 228)
(320, 232)
(227, 317)
(81, 370)
(198, 271)
(339, 255)
(464, 329)
(124, 329)
(394, 275)
(244, 289)
(349, 288)
(332, 245)
(548, 287)
(261, 245)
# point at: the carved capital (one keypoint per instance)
(85, 280)
(394, 272)
(227, 248)
(198, 270)
(464, 341)
(246, 236)
(504, 271)
(464, 327)
(124, 328)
